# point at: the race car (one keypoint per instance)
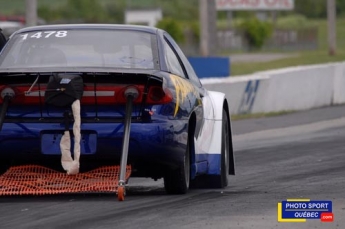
(128, 93)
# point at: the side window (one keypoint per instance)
(173, 61)
(188, 67)
(2, 40)
(190, 70)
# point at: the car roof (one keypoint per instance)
(139, 28)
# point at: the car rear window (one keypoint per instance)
(81, 48)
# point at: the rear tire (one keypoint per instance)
(176, 181)
(225, 151)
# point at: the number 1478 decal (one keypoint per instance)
(46, 34)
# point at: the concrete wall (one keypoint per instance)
(296, 88)
(339, 85)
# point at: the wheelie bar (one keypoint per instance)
(131, 94)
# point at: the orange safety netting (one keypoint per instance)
(39, 180)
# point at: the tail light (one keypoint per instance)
(22, 96)
(116, 95)
(103, 95)
(157, 95)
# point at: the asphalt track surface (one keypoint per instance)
(299, 155)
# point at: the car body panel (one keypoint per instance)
(159, 132)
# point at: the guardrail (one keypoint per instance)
(294, 88)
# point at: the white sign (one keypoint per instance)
(143, 17)
(255, 4)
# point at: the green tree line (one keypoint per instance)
(183, 10)
(113, 11)
(317, 8)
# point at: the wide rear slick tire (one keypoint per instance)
(225, 151)
(176, 181)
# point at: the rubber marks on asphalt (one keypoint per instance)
(39, 180)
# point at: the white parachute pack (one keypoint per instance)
(66, 90)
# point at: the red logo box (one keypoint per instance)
(326, 217)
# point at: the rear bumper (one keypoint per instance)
(149, 142)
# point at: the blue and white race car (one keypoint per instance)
(126, 91)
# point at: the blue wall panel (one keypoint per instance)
(206, 67)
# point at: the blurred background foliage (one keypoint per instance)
(101, 10)
(256, 32)
(112, 11)
(180, 16)
(172, 27)
(181, 20)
